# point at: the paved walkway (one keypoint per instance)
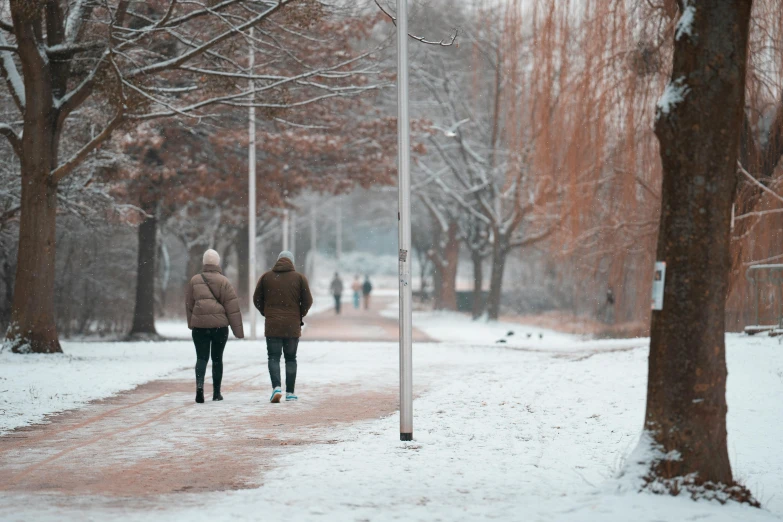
(357, 324)
(154, 440)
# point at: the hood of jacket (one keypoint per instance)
(212, 268)
(283, 265)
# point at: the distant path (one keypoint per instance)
(357, 325)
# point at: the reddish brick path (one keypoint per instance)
(357, 325)
(154, 440)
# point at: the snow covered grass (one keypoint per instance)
(500, 433)
(35, 385)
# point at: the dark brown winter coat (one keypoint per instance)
(283, 298)
(204, 311)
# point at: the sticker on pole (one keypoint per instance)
(659, 278)
(403, 256)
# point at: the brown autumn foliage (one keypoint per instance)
(592, 73)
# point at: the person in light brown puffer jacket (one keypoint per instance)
(212, 306)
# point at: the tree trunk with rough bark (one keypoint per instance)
(478, 284)
(144, 311)
(500, 251)
(243, 268)
(32, 327)
(445, 265)
(698, 126)
(195, 260)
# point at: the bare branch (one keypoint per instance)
(13, 138)
(173, 63)
(79, 12)
(758, 183)
(11, 75)
(442, 43)
(69, 166)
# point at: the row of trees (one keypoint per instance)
(78, 71)
(551, 139)
(555, 138)
(541, 136)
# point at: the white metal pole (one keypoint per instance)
(313, 243)
(404, 218)
(285, 229)
(292, 228)
(339, 230)
(251, 213)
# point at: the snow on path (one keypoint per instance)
(507, 434)
(35, 385)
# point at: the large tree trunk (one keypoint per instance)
(478, 284)
(446, 262)
(699, 139)
(437, 284)
(144, 311)
(32, 327)
(195, 260)
(243, 268)
(499, 255)
(448, 286)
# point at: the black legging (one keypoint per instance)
(204, 338)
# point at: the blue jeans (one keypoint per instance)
(275, 347)
(356, 300)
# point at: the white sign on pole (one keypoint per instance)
(659, 278)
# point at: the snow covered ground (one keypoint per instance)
(35, 385)
(533, 429)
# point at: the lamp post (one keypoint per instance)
(285, 229)
(251, 204)
(404, 226)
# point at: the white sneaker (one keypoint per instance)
(291, 397)
(277, 394)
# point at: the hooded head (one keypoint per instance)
(285, 254)
(211, 258)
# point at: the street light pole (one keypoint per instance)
(292, 227)
(404, 222)
(313, 243)
(251, 204)
(285, 229)
(339, 231)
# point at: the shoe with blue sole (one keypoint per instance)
(277, 394)
(291, 397)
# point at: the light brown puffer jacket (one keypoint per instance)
(204, 311)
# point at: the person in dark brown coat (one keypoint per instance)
(283, 297)
(212, 306)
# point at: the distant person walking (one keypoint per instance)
(212, 305)
(337, 291)
(357, 291)
(366, 291)
(283, 297)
